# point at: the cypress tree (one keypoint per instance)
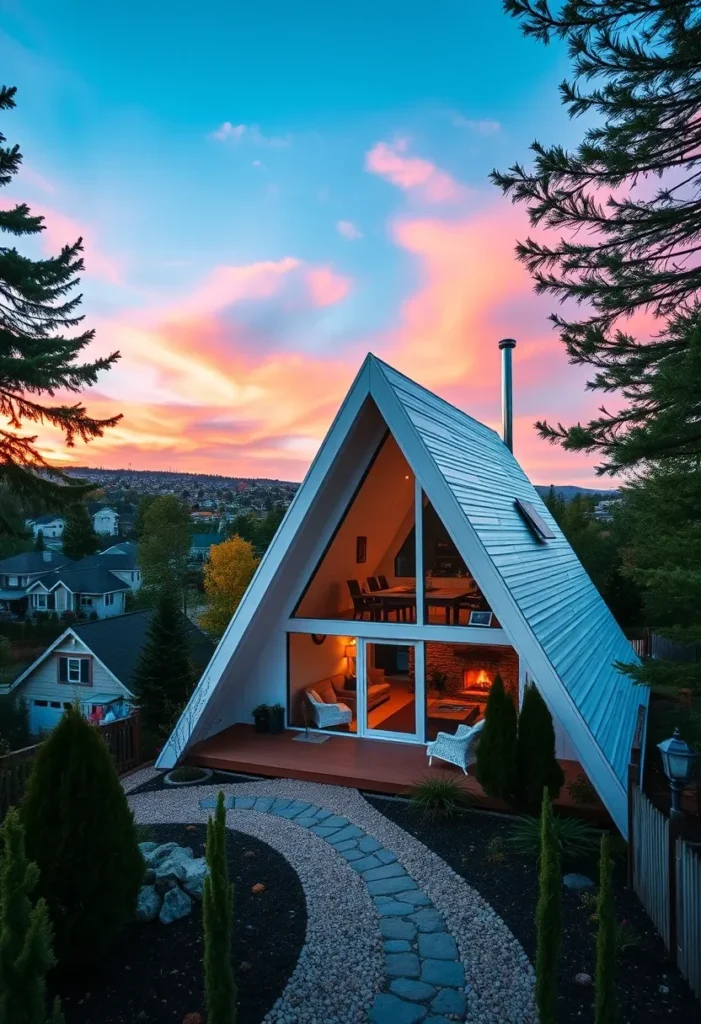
(163, 678)
(536, 764)
(218, 916)
(496, 750)
(39, 350)
(25, 933)
(79, 538)
(548, 917)
(80, 831)
(39, 541)
(605, 1007)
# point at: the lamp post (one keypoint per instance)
(678, 761)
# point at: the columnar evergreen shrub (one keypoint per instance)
(605, 1010)
(81, 833)
(548, 917)
(218, 916)
(536, 764)
(496, 750)
(25, 933)
(163, 678)
(79, 537)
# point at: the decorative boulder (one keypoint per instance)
(171, 871)
(154, 858)
(148, 904)
(149, 876)
(576, 881)
(195, 874)
(176, 904)
(147, 849)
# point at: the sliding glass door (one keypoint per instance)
(390, 690)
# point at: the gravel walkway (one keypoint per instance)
(394, 935)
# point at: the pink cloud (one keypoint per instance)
(326, 287)
(235, 133)
(60, 230)
(389, 161)
(347, 229)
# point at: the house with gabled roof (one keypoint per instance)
(416, 562)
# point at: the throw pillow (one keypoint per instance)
(315, 696)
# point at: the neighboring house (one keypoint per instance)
(120, 559)
(75, 589)
(201, 543)
(417, 549)
(51, 526)
(93, 663)
(19, 572)
(105, 521)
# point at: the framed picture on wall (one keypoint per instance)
(480, 619)
(361, 549)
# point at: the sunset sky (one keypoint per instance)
(269, 190)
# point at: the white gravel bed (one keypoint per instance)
(139, 778)
(341, 965)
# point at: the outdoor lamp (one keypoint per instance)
(678, 760)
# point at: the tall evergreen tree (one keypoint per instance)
(25, 933)
(81, 833)
(218, 920)
(163, 678)
(548, 917)
(622, 249)
(606, 1008)
(536, 764)
(39, 541)
(40, 345)
(164, 546)
(79, 537)
(496, 751)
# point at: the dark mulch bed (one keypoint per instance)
(155, 972)
(217, 779)
(649, 988)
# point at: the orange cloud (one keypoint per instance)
(326, 287)
(391, 162)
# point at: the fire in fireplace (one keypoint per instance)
(476, 679)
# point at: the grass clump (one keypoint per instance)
(439, 796)
(574, 838)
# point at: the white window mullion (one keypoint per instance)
(419, 554)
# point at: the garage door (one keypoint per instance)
(43, 715)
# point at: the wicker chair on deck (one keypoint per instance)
(458, 749)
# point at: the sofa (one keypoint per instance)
(340, 690)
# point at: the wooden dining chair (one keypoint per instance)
(384, 585)
(373, 585)
(362, 603)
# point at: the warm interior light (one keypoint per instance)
(476, 678)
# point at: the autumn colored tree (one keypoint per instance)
(228, 572)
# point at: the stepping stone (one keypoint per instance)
(349, 832)
(263, 803)
(366, 863)
(442, 972)
(323, 831)
(207, 802)
(383, 871)
(429, 920)
(392, 928)
(385, 856)
(438, 1020)
(397, 946)
(388, 1009)
(392, 908)
(322, 814)
(244, 803)
(306, 822)
(351, 855)
(348, 844)
(402, 965)
(369, 845)
(450, 1001)
(293, 811)
(280, 803)
(336, 820)
(438, 946)
(389, 886)
(415, 991)
(418, 898)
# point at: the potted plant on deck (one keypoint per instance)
(261, 718)
(276, 718)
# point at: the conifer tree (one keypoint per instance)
(163, 678)
(25, 933)
(536, 764)
(627, 243)
(79, 538)
(39, 541)
(496, 750)
(605, 1007)
(548, 917)
(80, 831)
(218, 917)
(40, 345)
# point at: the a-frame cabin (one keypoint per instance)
(415, 563)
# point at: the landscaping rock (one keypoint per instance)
(582, 978)
(176, 904)
(149, 876)
(172, 870)
(575, 881)
(195, 873)
(154, 858)
(147, 849)
(415, 991)
(449, 1001)
(148, 903)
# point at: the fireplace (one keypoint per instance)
(477, 681)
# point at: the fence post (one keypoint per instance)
(137, 737)
(632, 783)
(674, 832)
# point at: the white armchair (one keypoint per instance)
(327, 715)
(458, 749)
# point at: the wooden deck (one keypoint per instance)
(376, 766)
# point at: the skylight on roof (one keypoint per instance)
(534, 520)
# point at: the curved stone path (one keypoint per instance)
(444, 956)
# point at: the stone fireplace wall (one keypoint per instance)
(455, 659)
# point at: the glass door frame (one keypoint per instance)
(363, 731)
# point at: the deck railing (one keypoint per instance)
(123, 737)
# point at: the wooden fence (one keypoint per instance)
(648, 644)
(650, 853)
(123, 738)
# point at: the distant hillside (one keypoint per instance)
(568, 491)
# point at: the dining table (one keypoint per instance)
(404, 598)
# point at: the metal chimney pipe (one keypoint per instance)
(507, 396)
